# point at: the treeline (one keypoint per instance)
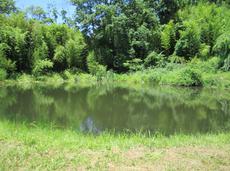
(128, 34)
(117, 35)
(31, 46)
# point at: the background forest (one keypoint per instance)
(181, 38)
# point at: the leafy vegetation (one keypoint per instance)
(117, 36)
(28, 46)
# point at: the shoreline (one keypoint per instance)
(219, 80)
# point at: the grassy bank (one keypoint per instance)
(197, 73)
(136, 79)
(46, 149)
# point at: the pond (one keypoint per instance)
(165, 110)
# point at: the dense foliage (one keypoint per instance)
(32, 47)
(123, 35)
(121, 32)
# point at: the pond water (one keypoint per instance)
(106, 108)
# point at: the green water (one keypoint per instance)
(106, 108)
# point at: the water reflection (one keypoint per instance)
(158, 109)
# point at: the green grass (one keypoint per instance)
(38, 148)
(195, 73)
(180, 77)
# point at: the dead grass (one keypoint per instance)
(180, 158)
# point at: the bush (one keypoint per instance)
(220, 80)
(86, 79)
(209, 66)
(177, 59)
(189, 43)
(155, 59)
(69, 76)
(53, 80)
(42, 66)
(204, 51)
(191, 77)
(226, 66)
(222, 45)
(222, 49)
(94, 67)
(135, 64)
(186, 76)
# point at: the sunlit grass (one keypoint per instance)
(24, 147)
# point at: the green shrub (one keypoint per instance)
(69, 76)
(94, 67)
(222, 49)
(86, 79)
(189, 43)
(173, 66)
(53, 80)
(25, 78)
(42, 66)
(209, 66)
(155, 75)
(204, 51)
(191, 77)
(222, 45)
(226, 66)
(155, 60)
(220, 80)
(185, 76)
(25, 81)
(135, 64)
(177, 59)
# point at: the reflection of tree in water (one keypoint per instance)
(5, 100)
(55, 107)
(163, 109)
(167, 110)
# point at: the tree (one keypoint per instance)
(118, 30)
(36, 12)
(53, 12)
(167, 9)
(66, 20)
(7, 6)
